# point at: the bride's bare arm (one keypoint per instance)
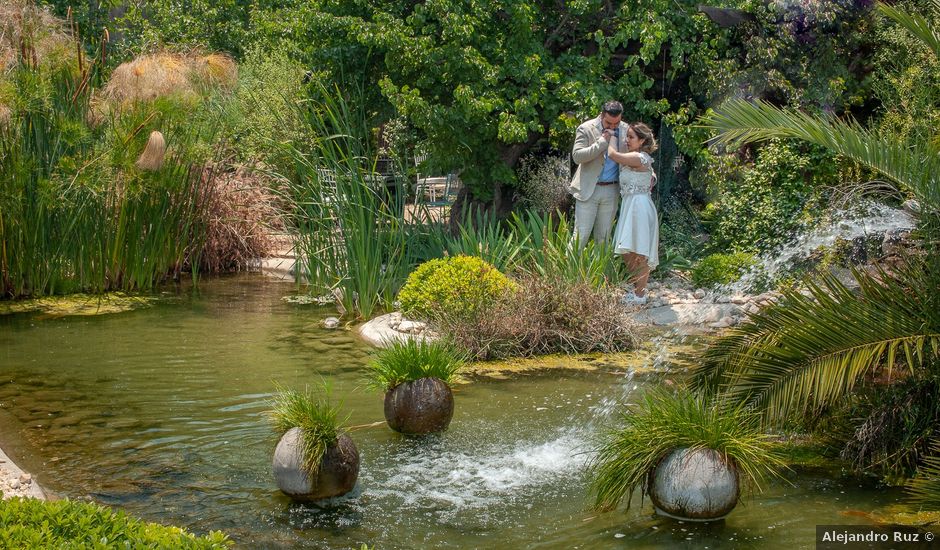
(633, 160)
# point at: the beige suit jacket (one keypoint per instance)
(589, 153)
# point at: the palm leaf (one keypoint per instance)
(916, 24)
(913, 164)
(809, 351)
(924, 489)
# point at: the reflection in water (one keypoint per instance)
(161, 411)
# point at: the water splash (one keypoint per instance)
(865, 220)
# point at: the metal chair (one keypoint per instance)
(439, 190)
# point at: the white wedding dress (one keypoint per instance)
(638, 226)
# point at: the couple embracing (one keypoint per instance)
(615, 169)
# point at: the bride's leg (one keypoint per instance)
(639, 271)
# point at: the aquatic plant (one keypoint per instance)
(350, 237)
(551, 251)
(317, 419)
(413, 359)
(665, 421)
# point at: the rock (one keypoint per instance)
(654, 285)
(26, 478)
(422, 406)
(15, 484)
(752, 308)
(339, 468)
(694, 484)
(699, 293)
(722, 300)
(739, 299)
(894, 242)
(911, 206)
(411, 327)
(331, 322)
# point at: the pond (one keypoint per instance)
(161, 411)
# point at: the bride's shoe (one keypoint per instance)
(631, 299)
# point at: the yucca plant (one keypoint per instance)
(484, 237)
(664, 422)
(317, 418)
(412, 359)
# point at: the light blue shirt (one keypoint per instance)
(611, 171)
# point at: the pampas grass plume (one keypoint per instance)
(154, 152)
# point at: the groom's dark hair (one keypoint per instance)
(613, 108)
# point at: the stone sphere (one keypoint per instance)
(694, 484)
(421, 406)
(339, 468)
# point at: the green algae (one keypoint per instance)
(77, 304)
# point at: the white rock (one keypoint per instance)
(26, 478)
(722, 300)
(331, 322)
(694, 484)
(911, 206)
(738, 299)
(699, 293)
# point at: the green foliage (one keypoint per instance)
(350, 236)
(721, 269)
(453, 285)
(924, 489)
(664, 422)
(76, 213)
(759, 207)
(261, 116)
(410, 359)
(27, 523)
(484, 83)
(805, 353)
(551, 251)
(317, 419)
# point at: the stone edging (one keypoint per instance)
(14, 482)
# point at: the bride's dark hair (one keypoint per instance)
(645, 134)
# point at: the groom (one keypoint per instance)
(596, 182)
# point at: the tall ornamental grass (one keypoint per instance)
(75, 213)
(350, 236)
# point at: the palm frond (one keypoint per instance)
(924, 489)
(809, 351)
(913, 164)
(921, 27)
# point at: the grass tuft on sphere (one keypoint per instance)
(663, 422)
(409, 360)
(317, 418)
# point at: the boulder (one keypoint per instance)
(422, 406)
(694, 485)
(339, 468)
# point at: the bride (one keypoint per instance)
(637, 234)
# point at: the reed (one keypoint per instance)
(351, 239)
(74, 216)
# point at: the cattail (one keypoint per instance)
(152, 157)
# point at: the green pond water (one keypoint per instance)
(161, 411)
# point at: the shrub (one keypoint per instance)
(545, 315)
(664, 422)
(27, 523)
(454, 286)
(759, 207)
(317, 419)
(544, 181)
(721, 269)
(409, 360)
(240, 213)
